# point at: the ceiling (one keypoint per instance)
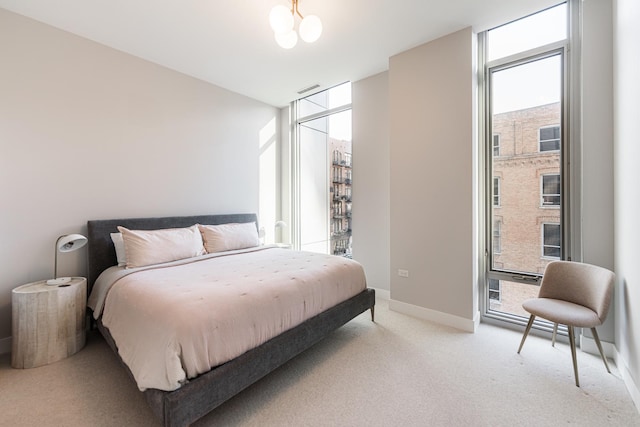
(229, 42)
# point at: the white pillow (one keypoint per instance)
(147, 247)
(116, 238)
(228, 237)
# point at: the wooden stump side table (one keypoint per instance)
(48, 322)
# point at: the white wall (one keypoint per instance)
(433, 179)
(371, 192)
(88, 132)
(626, 92)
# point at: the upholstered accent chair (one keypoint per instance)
(576, 295)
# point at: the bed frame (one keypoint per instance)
(207, 391)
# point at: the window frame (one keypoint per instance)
(545, 245)
(543, 194)
(497, 291)
(497, 200)
(496, 144)
(299, 119)
(541, 53)
(541, 141)
(570, 151)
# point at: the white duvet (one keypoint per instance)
(175, 321)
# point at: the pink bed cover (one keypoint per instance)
(174, 321)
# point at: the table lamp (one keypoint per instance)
(65, 243)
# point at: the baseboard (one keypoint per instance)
(632, 387)
(588, 345)
(5, 345)
(457, 322)
(382, 294)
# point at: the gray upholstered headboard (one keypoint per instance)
(102, 253)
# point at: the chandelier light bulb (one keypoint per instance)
(310, 28)
(281, 19)
(282, 23)
(287, 40)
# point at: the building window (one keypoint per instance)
(550, 190)
(551, 240)
(494, 290)
(550, 138)
(497, 237)
(496, 145)
(496, 191)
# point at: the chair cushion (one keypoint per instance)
(564, 312)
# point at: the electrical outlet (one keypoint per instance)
(403, 273)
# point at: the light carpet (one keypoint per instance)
(398, 371)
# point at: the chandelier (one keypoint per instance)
(282, 22)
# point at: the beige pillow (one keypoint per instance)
(146, 247)
(228, 237)
(118, 243)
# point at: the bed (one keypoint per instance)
(201, 393)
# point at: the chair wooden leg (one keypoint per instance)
(553, 337)
(373, 313)
(572, 342)
(526, 332)
(604, 359)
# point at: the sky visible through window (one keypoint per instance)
(543, 85)
(540, 29)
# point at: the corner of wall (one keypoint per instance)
(632, 387)
(446, 319)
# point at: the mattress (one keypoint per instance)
(172, 322)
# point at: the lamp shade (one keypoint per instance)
(70, 242)
(65, 243)
(281, 19)
(287, 40)
(310, 28)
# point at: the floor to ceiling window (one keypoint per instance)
(323, 172)
(527, 144)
